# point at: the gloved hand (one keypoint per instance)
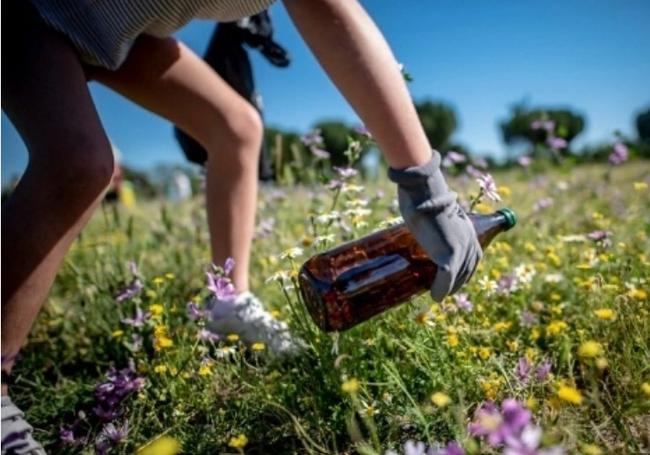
(439, 224)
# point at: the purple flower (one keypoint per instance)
(228, 266)
(480, 162)
(193, 311)
(463, 302)
(66, 435)
(527, 443)
(556, 143)
(452, 449)
(473, 172)
(414, 448)
(488, 186)
(507, 284)
(525, 161)
(129, 291)
(118, 385)
(547, 125)
(206, 335)
(619, 155)
(265, 228)
(542, 204)
(523, 370)
(319, 153)
(497, 425)
(452, 158)
(543, 370)
(334, 184)
(221, 286)
(115, 434)
(361, 129)
(527, 319)
(312, 138)
(599, 236)
(138, 320)
(345, 172)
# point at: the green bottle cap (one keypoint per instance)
(511, 218)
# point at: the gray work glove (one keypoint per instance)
(439, 224)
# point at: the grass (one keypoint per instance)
(206, 398)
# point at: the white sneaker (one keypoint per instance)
(246, 317)
(16, 433)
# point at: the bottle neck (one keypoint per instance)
(488, 226)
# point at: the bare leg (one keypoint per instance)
(357, 58)
(70, 165)
(167, 78)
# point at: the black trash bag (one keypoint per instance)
(227, 55)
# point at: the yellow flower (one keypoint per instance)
(164, 445)
(452, 340)
(275, 313)
(555, 327)
(529, 247)
(170, 276)
(440, 399)
(258, 346)
(483, 208)
(591, 449)
(233, 337)
(238, 442)
(601, 363)
(531, 403)
(554, 259)
(637, 294)
(163, 342)
(640, 186)
(513, 345)
(160, 369)
(350, 386)
(158, 280)
(504, 191)
(501, 326)
(590, 349)
(645, 388)
(607, 314)
(484, 352)
(205, 369)
(156, 309)
(118, 333)
(569, 394)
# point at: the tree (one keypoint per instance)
(643, 126)
(540, 125)
(438, 120)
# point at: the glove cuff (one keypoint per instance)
(425, 184)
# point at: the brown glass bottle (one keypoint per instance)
(357, 280)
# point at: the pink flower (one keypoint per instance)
(489, 187)
(619, 155)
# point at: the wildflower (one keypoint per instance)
(323, 240)
(156, 309)
(569, 394)
(291, 253)
(547, 125)
(463, 302)
(221, 286)
(452, 157)
(206, 335)
(115, 434)
(498, 425)
(601, 363)
(345, 173)
(66, 435)
(640, 186)
(319, 153)
(164, 445)
(452, 340)
(527, 319)
(238, 442)
(473, 172)
(488, 187)
(440, 399)
(138, 319)
(129, 291)
(117, 333)
(542, 204)
(488, 285)
(118, 385)
(527, 443)
(591, 449)
(206, 367)
(350, 386)
(543, 370)
(264, 228)
(484, 352)
(507, 284)
(523, 370)
(160, 369)
(619, 154)
(637, 294)
(590, 349)
(258, 346)
(312, 138)
(556, 143)
(525, 161)
(645, 388)
(555, 327)
(225, 352)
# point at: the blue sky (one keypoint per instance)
(479, 56)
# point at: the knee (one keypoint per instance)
(240, 141)
(84, 169)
